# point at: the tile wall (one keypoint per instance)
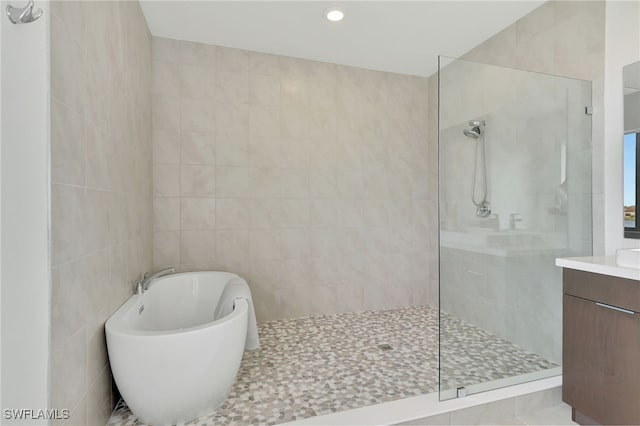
(498, 286)
(564, 38)
(314, 181)
(101, 189)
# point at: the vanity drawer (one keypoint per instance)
(601, 362)
(614, 291)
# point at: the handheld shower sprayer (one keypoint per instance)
(476, 132)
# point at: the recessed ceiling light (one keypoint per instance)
(334, 15)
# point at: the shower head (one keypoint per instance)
(476, 129)
(474, 132)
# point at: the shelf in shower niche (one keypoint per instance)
(557, 211)
(502, 243)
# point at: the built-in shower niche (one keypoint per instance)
(497, 272)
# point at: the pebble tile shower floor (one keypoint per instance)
(320, 365)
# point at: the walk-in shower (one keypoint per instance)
(500, 292)
(476, 132)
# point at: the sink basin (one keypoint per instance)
(629, 258)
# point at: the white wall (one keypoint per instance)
(632, 111)
(622, 47)
(1, 30)
(24, 169)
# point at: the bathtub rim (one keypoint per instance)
(116, 325)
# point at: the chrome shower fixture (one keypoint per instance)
(476, 133)
(23, 15)
(476, 129)
(484, 209)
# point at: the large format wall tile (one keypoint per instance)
(102, 205)
(288, 170)
(531, 117)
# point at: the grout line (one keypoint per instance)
(94, 253)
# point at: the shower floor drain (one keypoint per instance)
(385, 347)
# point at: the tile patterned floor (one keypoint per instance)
(319, 365)
(471, 355)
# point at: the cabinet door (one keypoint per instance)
(601, 361)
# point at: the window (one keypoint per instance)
(631, 184)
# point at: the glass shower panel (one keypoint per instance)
(514, 194)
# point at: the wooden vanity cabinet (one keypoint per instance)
(601, 348)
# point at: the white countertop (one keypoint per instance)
(605, 265)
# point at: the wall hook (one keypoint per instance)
(23, 15)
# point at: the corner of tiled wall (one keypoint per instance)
(101, 189)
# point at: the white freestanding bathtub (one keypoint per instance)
(171, 360)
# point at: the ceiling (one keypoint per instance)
(396, 36)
